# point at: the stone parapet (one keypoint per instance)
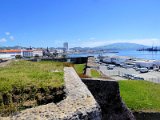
(107, 94)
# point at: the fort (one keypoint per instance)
(94, 100)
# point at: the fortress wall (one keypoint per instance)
(79, 104)
(107, 95)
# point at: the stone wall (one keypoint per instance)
(108, 97)
(78, 105)
(147, 115)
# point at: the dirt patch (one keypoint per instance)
(4, 63)
(20, 99)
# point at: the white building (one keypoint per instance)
(107, 59)
(38, 53)
(116, 59)
(65, 45)
(60, 50)
(120, 59)
(9, 54)
(27, 53)
(145, 63)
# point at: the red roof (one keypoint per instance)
(27, 50)
(14, 51)
(9, 51)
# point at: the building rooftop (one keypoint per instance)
(9, 51)
(14, 51)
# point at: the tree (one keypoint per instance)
(36, 56)
(18, 56)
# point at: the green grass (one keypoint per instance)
(25, 84)
(20, 74)
(141, 95)
(95, 73)
(79, 68)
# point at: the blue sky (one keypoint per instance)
(85, 23)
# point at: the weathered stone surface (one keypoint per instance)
(78, 105)
(108, 97)
(91, 63)
(147, 115)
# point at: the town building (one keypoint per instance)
(65, 45)
(38, 52)
(59, 50)
(10, 54)
(27, 53)
(116, 59)
(145, 63)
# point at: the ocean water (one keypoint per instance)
(141, 54)
(131, 53)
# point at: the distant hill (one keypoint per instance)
(15, 47)
(122, 46)
(11, 47)
(80, 48)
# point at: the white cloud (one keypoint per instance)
(7, 33)
(11, 38)
(3, 40)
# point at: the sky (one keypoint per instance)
(81, 23)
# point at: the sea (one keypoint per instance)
(148, 55)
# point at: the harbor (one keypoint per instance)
(128, 68)
(119, 73)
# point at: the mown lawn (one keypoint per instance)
(24, 73)
(140, 95)
(95, 73)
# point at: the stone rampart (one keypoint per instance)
(107, 95)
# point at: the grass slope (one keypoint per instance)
(25, 84)
(25, 73)
(141, 95)
(79, 68)
(95, 73)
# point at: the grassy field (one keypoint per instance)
(79, 68)
(25, 73)
(141, 95)
(26, 84)
(95, 73)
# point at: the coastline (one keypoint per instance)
(147, 55)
